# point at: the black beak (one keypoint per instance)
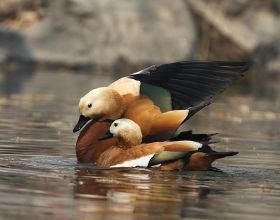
(82, 121)
(105, 136)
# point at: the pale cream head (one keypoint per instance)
(102, 103)
(127, 131)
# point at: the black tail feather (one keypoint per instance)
(189, 135)
(209, 142)
(221, 154)
(214, 169)
(212, 153)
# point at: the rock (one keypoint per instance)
(15, 61)
(266, 66)
(14, 7)
(247, 23)
(86, 32)
(13, 45)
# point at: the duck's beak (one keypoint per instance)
(105, 136)
(82, 121)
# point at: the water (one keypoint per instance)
(40, 178)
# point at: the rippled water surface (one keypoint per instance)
(40, 178)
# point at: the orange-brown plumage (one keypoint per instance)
(118, 154)
(141, 110)
(173, 165)
(88, 147)
(129, 145)
(173, 86)
(166, 121)
(199, 161)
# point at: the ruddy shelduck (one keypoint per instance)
(169, 155)
(159, 99)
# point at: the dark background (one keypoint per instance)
(92, 36)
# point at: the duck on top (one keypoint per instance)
(159, 99)
(168, 155)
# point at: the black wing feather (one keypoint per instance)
(192, 82)
(190, 136)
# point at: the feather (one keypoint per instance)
(190, 82)
(160, 96)
(189, 135)
(139, 162)
(166, 156)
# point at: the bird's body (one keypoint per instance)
(159, 99)
(141, 154)
(129, 149)
(168, 155)
(142, 111)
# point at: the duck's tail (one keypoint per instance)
(189, 135)
(204, 157)
(206, 141)
(219, 155)
(199, 160)
(214, 154)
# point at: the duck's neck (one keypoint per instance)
(129, 139)
(123, 102)
(116, 109)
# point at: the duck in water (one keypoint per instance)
(167, 155)
(159, 99)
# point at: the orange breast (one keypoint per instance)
(139, 109)
(142, 111)
(88, 147)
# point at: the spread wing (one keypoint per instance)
(184, 84)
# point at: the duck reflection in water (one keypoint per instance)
(137, 190)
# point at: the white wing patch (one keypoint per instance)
(197, 145)
(140, 162)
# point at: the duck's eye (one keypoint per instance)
(115, 124)
(89, 105)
